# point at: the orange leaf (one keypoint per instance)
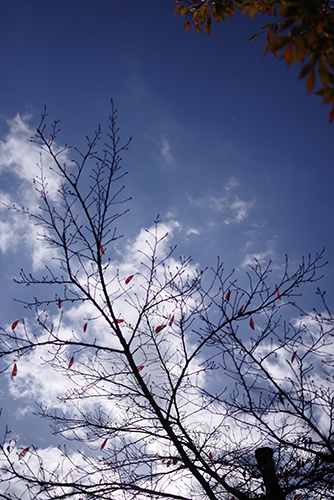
(24, 452)
(85, 327)
(103, 444)
(187, 25)
(251, 322)
(101, 248)
(128, 279)
(159, 328)
(228, 295)
(14, 324)
(71, 362)
(140, 368)
(177, 8)
(14, 372)
(252, 37)
(293, 356)
(310, 81)
(288, 54)
(171, 320)
(278, 294)
(207, 26)
(59, 303)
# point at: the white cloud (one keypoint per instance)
(164, 147)
(20, 160)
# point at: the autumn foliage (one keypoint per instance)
(299, 32)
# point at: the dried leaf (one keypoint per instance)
(331, 115)
(240, 310)
(71, 362)
(14, 372)
(24, 452)
(103, 444)
(159, 328)
(85, 327)
(251, 322)
(252, 37)
(293, 356)
(171, 320)
(228, 295)
(101, 248)
(118, 321)
(140, 368)
(278, 294)
(210, 455)
(174, 461)
(128, 279)
(15, 324)
(310, 81)
(187, 25)
(59, 303)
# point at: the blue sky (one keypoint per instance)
(227, 146)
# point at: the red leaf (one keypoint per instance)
(59, 303)
(128, 279)
(251, 323)
(140, 368)
(103, 444)
(118, 321)
(85, 327)
(127, 409)
(240, 310)
(171, 320)
(101, 248)
(71, 362)
(278, 294)
(159, 328)
(293, 356)
(14, 324)
(24, 452)
(168, 463)
(331, 115)
(174, 461)
(210, 455)
(228, 295)
(14, 372)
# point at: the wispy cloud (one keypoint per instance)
(164, 147)
(232, 206)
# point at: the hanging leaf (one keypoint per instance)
(310, 81)
(228, 295)
(117, 321)
(187, 25)
(101, 248)
(85, 327)
(210, 455)
(59, 303)
(251, 323)
(331, 115)
(171, 320)
(14, 372)
(140, 368)
(15, 324)
(281, 399)
(278, 294)
(168, 463)
(24, 452)
(103, 444)
(128, 279)
(293, 356)
(240, 310)
(159, 328)
(71, 362)
(252, 37)
(174, 461)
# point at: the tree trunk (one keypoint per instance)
(266, 465)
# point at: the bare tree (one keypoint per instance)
(182, 384)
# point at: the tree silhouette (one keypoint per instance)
(179, 383)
